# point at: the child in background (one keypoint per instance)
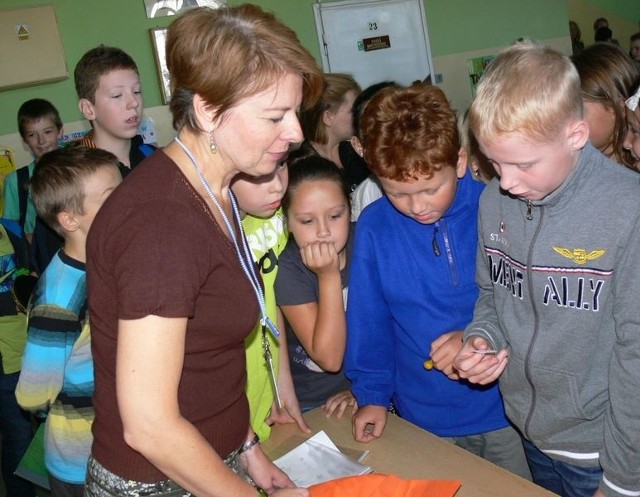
(16, 429)
(575, 33)
(311, 286)
(110, 98)
(477, 163)
(68, 187)
(632, 140)
(559, 279)
(327, 127)
(369, 190)
(269, 389)
(40, 127)
(607, 78)
(412, 284)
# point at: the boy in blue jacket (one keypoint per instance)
(412, 287)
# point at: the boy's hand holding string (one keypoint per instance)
(479, 363)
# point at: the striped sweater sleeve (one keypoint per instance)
(52, 333)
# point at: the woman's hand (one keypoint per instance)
(290, 492)
(263, 472)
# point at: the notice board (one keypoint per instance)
(32, 50)
(374, 40)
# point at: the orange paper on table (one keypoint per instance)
(377, 485)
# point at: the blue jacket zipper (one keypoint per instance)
(448, 250)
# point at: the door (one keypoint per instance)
(374, 40)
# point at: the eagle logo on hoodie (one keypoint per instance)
(579, 256)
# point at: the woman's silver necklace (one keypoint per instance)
(246, 261)
(244, 255)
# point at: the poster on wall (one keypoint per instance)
(30, 34)
(477, 66)
(7, 165)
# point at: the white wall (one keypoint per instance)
(160, 116)
(455, 75)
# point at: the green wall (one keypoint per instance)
(454, 26)
(628, 9)
(467, 25)
(84, 24)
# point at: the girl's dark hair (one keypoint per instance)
(607, 77)
(361, 101)
(314, 168)
(35, 109)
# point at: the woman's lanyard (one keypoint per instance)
(244, 255)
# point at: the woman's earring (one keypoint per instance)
(212, 146)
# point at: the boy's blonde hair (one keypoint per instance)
(528, 88)
(58, 180)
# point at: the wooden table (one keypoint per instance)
(410, 452)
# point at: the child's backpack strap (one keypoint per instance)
(23, 192)
(15, 269)
(146, 149)
(18, 243)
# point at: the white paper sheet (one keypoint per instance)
(318, 460)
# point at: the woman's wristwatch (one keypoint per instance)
(247, 446)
